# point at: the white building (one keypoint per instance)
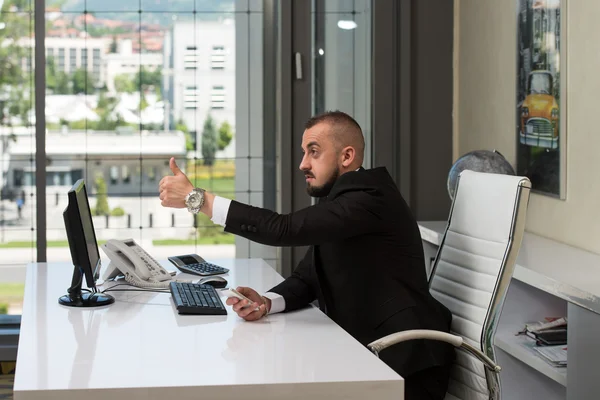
(130, 163)
(127, 62)
(199, 74)
(70, 54)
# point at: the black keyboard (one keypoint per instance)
(203, 268)
(192, 298)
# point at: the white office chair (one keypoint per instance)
(471, 274)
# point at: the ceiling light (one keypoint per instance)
(346, 24)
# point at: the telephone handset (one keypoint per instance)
(139, 268)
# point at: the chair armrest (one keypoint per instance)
(457, 341)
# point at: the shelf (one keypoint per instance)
(556, 268)
(521, 347)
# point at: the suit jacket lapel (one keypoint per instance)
(323, 295)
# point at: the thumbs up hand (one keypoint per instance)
(173, 189)
(174, 168)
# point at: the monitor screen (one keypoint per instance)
(81, 234)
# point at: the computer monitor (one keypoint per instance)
(84, 251)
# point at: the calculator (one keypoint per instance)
(196, 265)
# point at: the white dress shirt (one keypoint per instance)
(219, 217)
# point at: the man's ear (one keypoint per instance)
(348, 154)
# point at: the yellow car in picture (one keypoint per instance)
(539, 112)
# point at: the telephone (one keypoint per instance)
(139, 268)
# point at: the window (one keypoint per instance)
(29, 178)
(18, 178)
(193, 141)
(96, 63)
(217, 98)
(90, 128)
(84, 58)
(76, 174)
(125, 174)
(190, 57)
(151, 174)
(190, 97)
(217, 59)
(61, 59)
(114, 175)
(72, 60)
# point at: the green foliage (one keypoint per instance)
(82, 82)
(117, 212)
(101, 197)
(209, 141)
(189, 141)
(102, 31)
(62, 83)
(80, 125)
(207, 228)
(143, 101)
(3, 308)
(145, 78)
(124, 83)
(104, 102)
(15, 83)
(225, 135)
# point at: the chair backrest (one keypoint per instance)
(474, 266)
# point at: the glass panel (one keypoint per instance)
(131, 84)
(17, 154)
(342, 61)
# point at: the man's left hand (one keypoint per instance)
(173, 189)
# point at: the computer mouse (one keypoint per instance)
(214, 281)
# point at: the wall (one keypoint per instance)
(430, 107)
(484, 108)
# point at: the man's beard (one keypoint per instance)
(323, 190)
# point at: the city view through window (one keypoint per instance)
(129, 84)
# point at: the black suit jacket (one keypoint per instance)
(365, 264)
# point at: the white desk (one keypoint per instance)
(140, 348)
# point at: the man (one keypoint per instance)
(365, 265)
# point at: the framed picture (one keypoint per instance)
(541, 107)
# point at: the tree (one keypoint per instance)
(113, 45)
(15, 83)
(189, 141)
(209, 141)
(62, 83)
(225, 135)
(124, 84)
(144, 78)
(143, 101)
(50, 74)
(82, 82)
(101, 197)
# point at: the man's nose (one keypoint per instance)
(304, 165)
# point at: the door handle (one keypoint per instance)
(298, 60)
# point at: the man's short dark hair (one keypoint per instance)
(333, 117)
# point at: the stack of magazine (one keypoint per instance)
(550, 339)
(555, 355)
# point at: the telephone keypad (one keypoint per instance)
(203, 268)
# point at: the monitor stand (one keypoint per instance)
(77, 298)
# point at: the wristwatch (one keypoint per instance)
(194, 200)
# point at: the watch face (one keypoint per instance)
(194, 200)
